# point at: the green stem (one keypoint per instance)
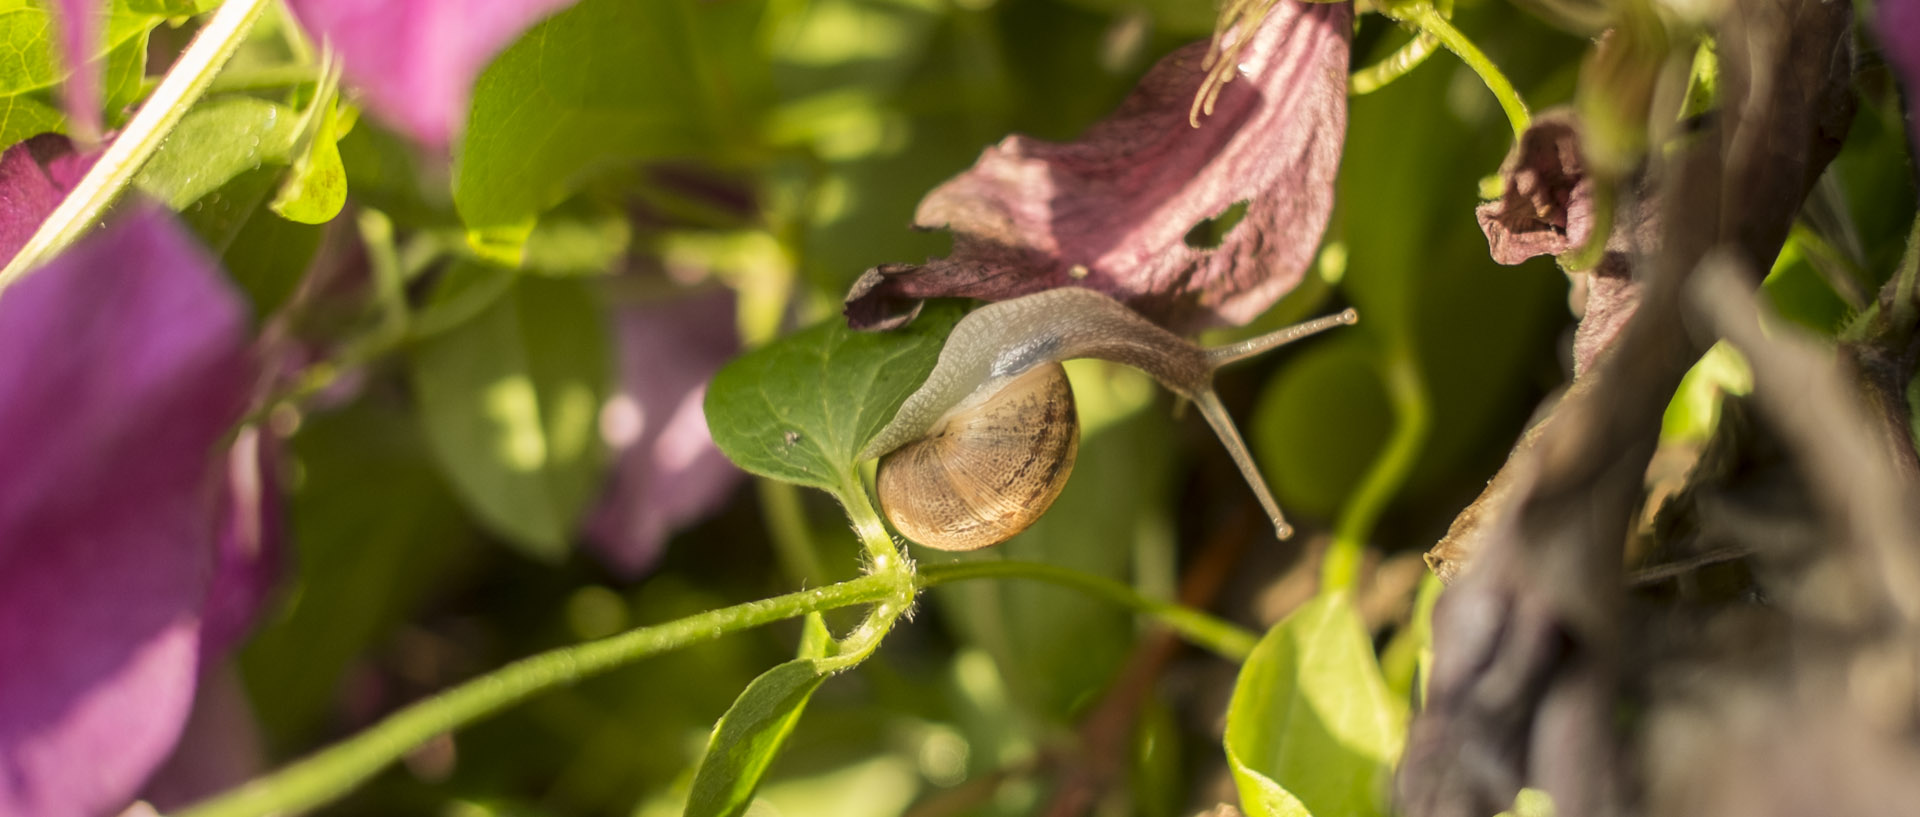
(321, 777)
(184, 83)
(882, 556)
(265, 78)
(1408, 396)
(1393, 66)
(1223, 638)
(1426, 19)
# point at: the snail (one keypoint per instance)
(985, 445)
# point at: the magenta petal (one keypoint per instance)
(414, 61)
(1112, 211)
(79, 24)
(219, 748)
(34, 176)
(668, 472)
(125, 366)
(26, 197)
(250, 553)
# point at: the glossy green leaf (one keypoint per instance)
(316, 188)
(801, 408)
(748, 737)
(1312, 728)
(216, 142)
(510, 400)
(637, 81)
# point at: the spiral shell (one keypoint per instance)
(989, 467)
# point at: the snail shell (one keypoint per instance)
(989, 468)
(999, 377)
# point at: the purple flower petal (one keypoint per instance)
(668, 473)
(79, 24)
(219, 748)
(1112, 211)
(415, 60)
(34, 176)
(249, 556)
(26, 197)
(1898, 28)
(125, 367)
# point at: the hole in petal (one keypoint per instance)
(1210, 232)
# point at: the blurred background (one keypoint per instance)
(696, 177)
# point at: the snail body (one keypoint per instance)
(985, 445)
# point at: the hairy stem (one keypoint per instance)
(1223, 638)
(184, 83)
(321, 777)
(882, 556)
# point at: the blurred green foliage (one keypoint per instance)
(779, 147)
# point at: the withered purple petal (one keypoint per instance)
(126, 365)
(1112, 211)
(668, 472)
(414, 61)
(1546, 202)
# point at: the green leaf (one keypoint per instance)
(801, 408)
(1530, 803)
(317, 188)
(748, 737)
(816, 641)
(1312, 728)
(604, 84)
(216, 142)
(30, 67)
(510, 400)
(268, 257)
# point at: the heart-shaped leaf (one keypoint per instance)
(801, 408)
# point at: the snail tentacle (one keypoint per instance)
(986, 437)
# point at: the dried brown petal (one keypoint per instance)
(1546, 206)
(1112, 211)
